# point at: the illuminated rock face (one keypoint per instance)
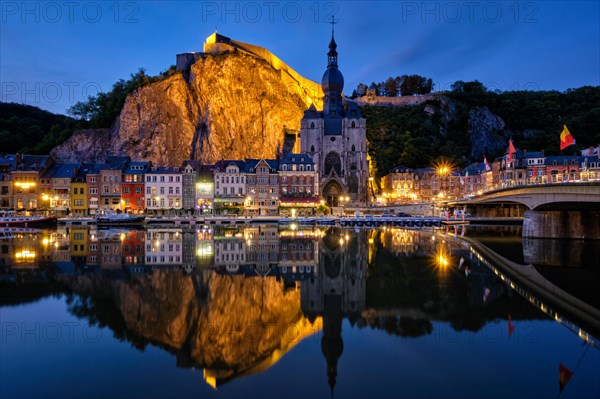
(233, 105)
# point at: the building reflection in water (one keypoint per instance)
(233, 300)
(337, 290)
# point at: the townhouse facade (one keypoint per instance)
(262, 187)
(163, 187)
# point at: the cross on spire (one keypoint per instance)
(333, 22)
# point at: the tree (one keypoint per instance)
(391, 88)
(102, 109)
(415, 84)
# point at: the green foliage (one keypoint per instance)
(405, 85)
(323, 209)
(414, 138)
(102, 109)
(534, 119)
(29, 129)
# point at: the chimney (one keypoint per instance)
(19, 158)
(542, 152)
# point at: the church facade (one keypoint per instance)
(335, 138)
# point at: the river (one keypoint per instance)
(269, 311)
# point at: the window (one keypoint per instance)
(353, 124)
(333, 163)
(312, 148)
(312, 125)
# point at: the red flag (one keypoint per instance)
(566, 139)
(511, 150)
(564, 375)
(487, 165)
(511, 326)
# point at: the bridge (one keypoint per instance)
(555, 210)
(552, 196)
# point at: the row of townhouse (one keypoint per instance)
(251, 186)
(425, 184)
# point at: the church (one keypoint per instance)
(336, 140)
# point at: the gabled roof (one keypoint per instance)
(223, 164)
(61, 170)
(164, 170)
(137, 167)
(400, 169)
(534, 154)
(298, 159)
(84, 170)
(561, 159)
(252, 163)
(475, 168)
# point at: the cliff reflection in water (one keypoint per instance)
(233, 300)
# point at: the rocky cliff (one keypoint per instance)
(486, 131)
(231, 105)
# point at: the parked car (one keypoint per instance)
(404, 215)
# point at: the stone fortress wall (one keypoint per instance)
(310, 92)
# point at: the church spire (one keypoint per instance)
(332, 54)
(332, 81)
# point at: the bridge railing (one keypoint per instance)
(579, 177)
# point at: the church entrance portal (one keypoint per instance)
(332, 192)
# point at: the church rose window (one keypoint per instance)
(333, 162)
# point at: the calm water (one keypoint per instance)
(267, 311)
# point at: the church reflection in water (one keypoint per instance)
(233, 300)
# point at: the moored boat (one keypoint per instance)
(11, 219)
(108, 216)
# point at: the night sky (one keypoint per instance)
(53, 54)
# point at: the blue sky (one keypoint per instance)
(53, 54)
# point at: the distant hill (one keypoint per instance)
(29, 129)
(469, 122)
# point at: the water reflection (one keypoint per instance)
(233, 301)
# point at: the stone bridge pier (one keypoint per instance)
(577, 224)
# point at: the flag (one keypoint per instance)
(487, 165)
(511, 326)
(566, 139)
(511, 150)
(564, 375)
